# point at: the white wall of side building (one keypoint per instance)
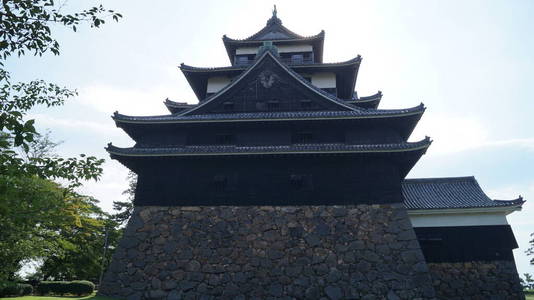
(459, 219)
(281, 49)
(215, 84)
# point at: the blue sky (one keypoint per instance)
(470, 62)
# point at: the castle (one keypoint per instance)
(282, 182)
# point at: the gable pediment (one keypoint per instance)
(268, 85)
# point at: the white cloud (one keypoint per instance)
(130, 101)
(457, 134)
(52, 122)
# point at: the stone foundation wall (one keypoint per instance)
(252, 252)
(496, 280)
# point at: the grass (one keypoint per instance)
(91, 297)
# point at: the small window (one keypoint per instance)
(260, 105)
(242, 60)
(273, 104)
(220, 182)
(302, 138)
(224, 139)
(225, 182)
(297, 58)
(306, 103)
(301, 182)
(228, 106)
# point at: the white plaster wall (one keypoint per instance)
(215, 84)
(324, 80)
(281, 49)
(443, 220)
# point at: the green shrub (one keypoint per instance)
(81, 287)
(9, 288)
(26, 289)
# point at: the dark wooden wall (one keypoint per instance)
(267, 180)
(466, 243)
(267, 133)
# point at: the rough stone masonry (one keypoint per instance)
(269, 252)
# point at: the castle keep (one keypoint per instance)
(283, 182)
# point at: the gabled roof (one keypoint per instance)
(450, 193)
(267, 55)
(198, 76)
(279, 34)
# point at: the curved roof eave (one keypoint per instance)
(374, 97)
(369, 101)
(210, 150)
(296, 38)
(351, 62)
(271, 116)
(171, 103)
(317, 40)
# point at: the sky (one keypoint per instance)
(470, 62)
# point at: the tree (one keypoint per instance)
(79, 254)
(32, 206)
(25, 27)
(528, 282)
(42, 220)
(125, 208)
(530, 250)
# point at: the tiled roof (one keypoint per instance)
(282, 149)
(356, 114)
(449, 193)
(352, 61)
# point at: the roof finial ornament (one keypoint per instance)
(274, 19)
